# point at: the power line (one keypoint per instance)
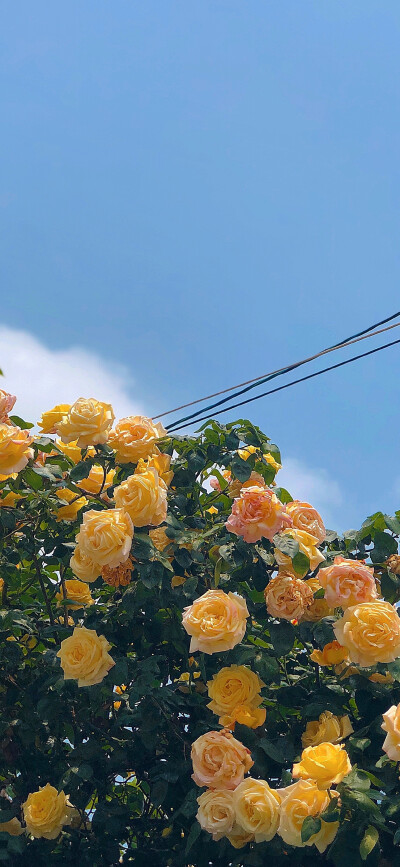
(172, 428)
(265, 377)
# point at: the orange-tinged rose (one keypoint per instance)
(299, 801)
(371, 633)
(73, 503)
(83, 566)
(347, 583)
(332, 654)
(52, 417)
(144, 497)
(307, 545)
(84, 656)
(216, 621)
(135, 437)
(15, 451)
(162, 464)
(391, 725)
(325, 764)
(287, 597)
(319, 608)
(86, 423)
(95, 481)
(159, 538)
(235, 487)
(306, 518)
(378, 677)
(106, 537)
(245, 715)
(257, 513)
(219, 760)
(328, 728)
(7, 402)
(216, 813)
(77, 593)
(257, 809)
(46, 812)
(232, 686)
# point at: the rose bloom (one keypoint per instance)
(216, 621)
(219, 760)
(326, 764)
(391, 725)
(371, 633)
(52, 417)
(319, 608)
(251, 450)
(83, 566)
(307, 545)
(245, 715)
(87, 422)
(77, 593)
(12, 827)
(306, 518)
(257, 809)
(328, 728)
(347, 582)
(15, 451)
(216, 813)
(71, 451)
(233, 686)
(287, 597)
(46, 812)
(236, 487)
(84, 656)
(332, 654)
(159, 538)
(299, 801)
(162, 464)
(238, 837)
(144, 497)
(106, 537)
(7, 402)
(69, 512)
(257, 513)
(135, 437)
(95, 481)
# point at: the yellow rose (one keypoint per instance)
(216, 621)
(84, 656)
(135, 437)
(326, 764)
(306, 518)
(219, 760)
(86, 423)
(371, 633)
(391, 725)
(257, 809)
(251, 450)
(78, 592)
(106, 537)
(144, 497)
(307, 545)
(159, 538)
(245, 715)
(333, 654)
(216, 813)
(328, 728)
(287, 597)
(319, 608)
(232, 686)
(162, 464)
(238, 837)
(83, 566)
(14, 449)
(46, 812)
(95, 480)
(299, 801)
(13, 827)
(70, 450)
(52, 417)
(70, 511)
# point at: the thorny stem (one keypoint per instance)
(44, 592)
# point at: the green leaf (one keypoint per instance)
(369, 841)
(310, 826)
(287, 545)
(384, 545)
(241, 469)
(24, 425)
(392, 524)
(33, 479)
(194, 833)
(358, 780)
(301, 563)
(274, 751)
(282, 637)
(80, 471)
(283, 495)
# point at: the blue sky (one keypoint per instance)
(195, 193)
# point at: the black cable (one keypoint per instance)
(271, 376)
(295, 382)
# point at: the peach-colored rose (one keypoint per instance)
(15, 451)
(159, 538)
(216, 484)
(216, 621)
(86, 423)
(319, 608)
(52, 417)
(391, 725)
(307, 545)
(83, 566)
(348, 582)
(7, 402)
(257, 513)
(236, 486)
(216, 813)
(257, 809)
(328, 728)
(300, 800)
(325, 764)
(143, 496)
(371, 633)
(219, 760)
(333, 654)
(306, 518)
(106, 537)
(135, 437)
(287, 597)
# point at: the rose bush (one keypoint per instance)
(194, 671)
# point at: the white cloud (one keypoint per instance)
(42, 377)
(315, 486)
